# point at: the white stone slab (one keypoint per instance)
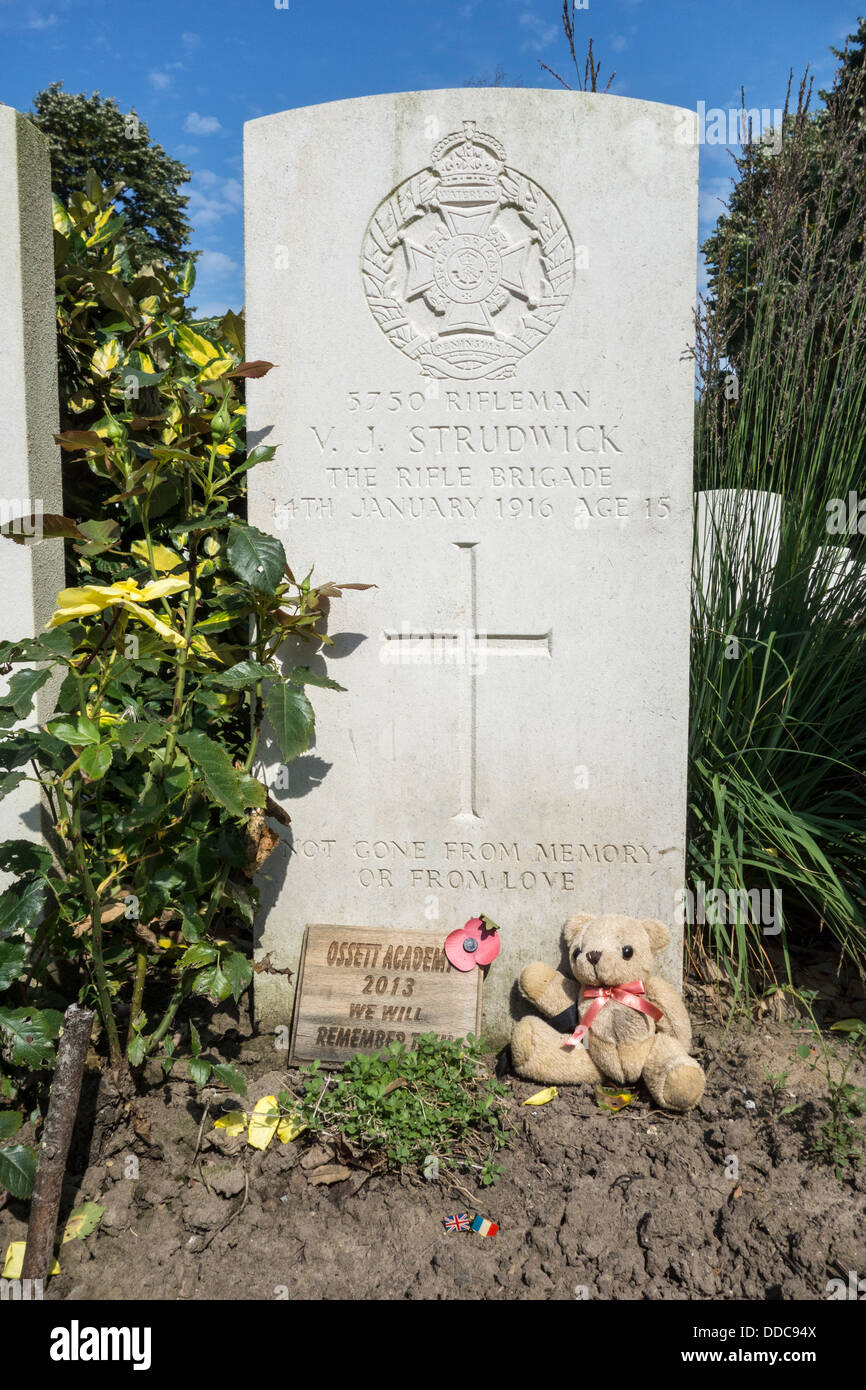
(738, 534)
(480, 304)
(30, 576)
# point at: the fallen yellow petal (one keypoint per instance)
(289, 1128)
(15, 1259)
(263, 1122)
(234, 1122)
(542, 1097)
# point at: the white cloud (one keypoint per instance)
(541, 34)
(159, 80)
(191, 40)
(39, 21)
(204, 211)
(215, 265)
(184, 151)
(201, 125)
(212, 197)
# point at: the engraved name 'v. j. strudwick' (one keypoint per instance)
(468, 264)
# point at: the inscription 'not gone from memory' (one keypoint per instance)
(485, 851)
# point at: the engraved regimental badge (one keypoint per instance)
(468, 264)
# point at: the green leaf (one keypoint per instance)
(259, 560)
(30, 1036)
(200, 954)
(292, 718)
(24, 856)
(12, 957)
(199, 350)
(242, 676)
(78, 731)
(22, 687)
(18, 1169)
(199, 1070)
(302, 675)
(135, 1050)
(239, 972)
(10, 1123)
(213, 982)
(217, 770)
(10, 782)
(82, 1221)
(96, 761)
(56, 642)
(261, 454)
(134, 736)
(114, 294)
(230, 1077)
(99, 536)
(20, 905)
(186, 279)
(232, 329)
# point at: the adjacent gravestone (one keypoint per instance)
(31, 574)
(738, 534)
(480, 307)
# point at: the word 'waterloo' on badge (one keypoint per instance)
(468, 264)
(361, 988)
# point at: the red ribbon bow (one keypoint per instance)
(623, 994)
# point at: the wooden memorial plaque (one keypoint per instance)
(360, 988)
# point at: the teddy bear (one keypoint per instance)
(615, 1021)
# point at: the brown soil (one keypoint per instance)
(635, 1205)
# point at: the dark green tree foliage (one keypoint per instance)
(91, 132)
(763, 208)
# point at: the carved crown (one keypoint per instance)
(468, 159)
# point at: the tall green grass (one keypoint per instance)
(778, 701)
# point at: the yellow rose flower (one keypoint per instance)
(93, 598)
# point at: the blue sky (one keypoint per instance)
(195, 70)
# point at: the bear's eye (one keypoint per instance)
(627, 952)
(575, 953)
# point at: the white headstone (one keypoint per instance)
(737, 537)
(480, 306)
(30, 575)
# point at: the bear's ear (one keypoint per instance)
(658, 934)
(574, 926)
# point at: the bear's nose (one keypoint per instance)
(593, 957)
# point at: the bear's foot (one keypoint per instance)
(674, 1079)
(683, 1086)
(537, 1054)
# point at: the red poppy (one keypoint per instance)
(475, 944)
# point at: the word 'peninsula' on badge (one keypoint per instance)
(468, 264)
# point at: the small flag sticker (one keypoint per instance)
(483, 1227)
(459, 1222)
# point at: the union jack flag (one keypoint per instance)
(461, 1221)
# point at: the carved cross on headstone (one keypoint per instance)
(470, 644)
